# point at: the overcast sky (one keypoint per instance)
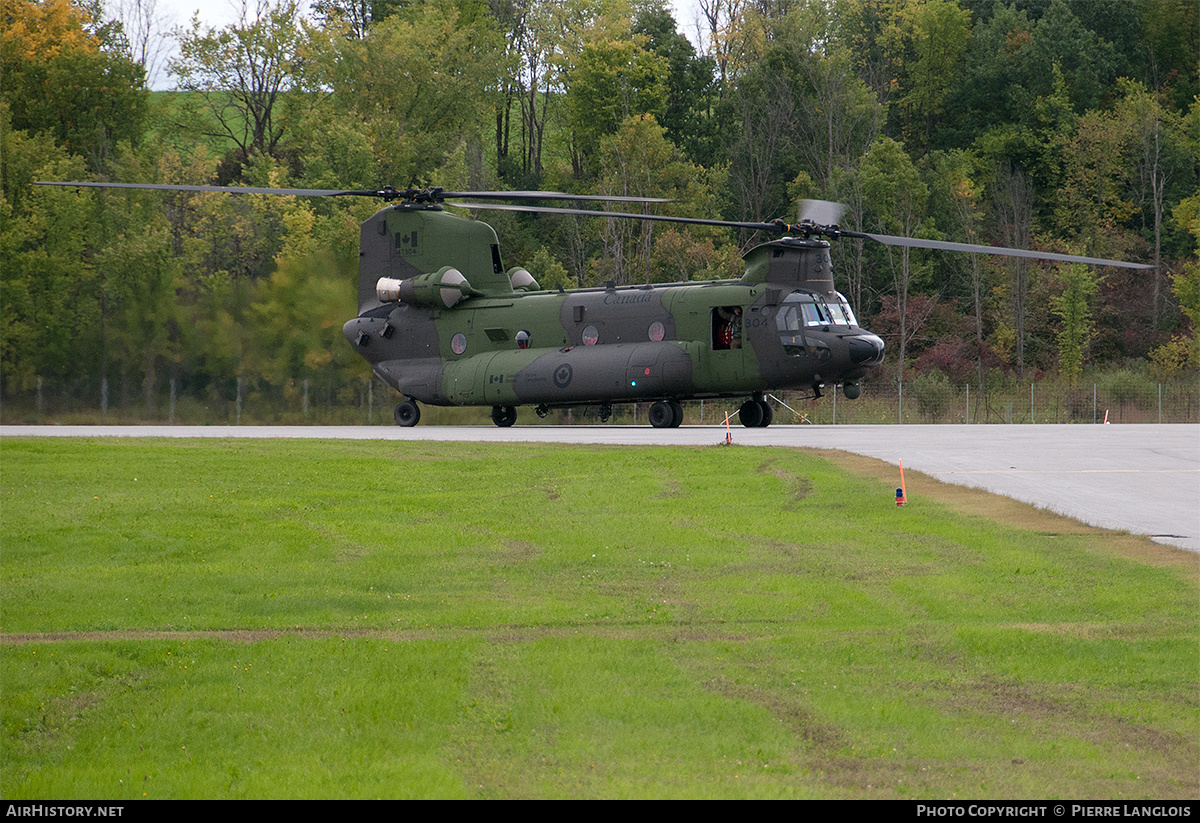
(218, 13)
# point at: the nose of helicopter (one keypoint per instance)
(866, 350)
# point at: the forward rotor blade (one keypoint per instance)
(551, 195)
(917, 242)
(822, 212)
(661, 218)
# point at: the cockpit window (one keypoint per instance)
(842, 314)
(815, 314)
(801, 308)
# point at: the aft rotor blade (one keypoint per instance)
(920, 243)
(387, 193)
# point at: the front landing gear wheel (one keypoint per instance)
(407, 414)
(751, 414)
(504, 416)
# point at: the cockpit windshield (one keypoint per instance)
(842, 314)
(802, 309)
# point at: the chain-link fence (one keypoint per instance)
(1122, 401)
(1123, 398)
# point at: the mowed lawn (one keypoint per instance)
(217, 619)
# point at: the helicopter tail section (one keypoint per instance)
(412, 240)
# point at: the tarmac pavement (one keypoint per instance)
(1143, 479)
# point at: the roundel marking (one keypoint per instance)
(563, 375)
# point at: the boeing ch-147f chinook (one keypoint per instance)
(442, 321)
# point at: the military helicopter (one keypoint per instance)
(444, 323)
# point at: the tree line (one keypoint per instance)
(1065, 126)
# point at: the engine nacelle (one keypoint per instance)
(441, 289)
(522, 280)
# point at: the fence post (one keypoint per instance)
(306, 399)
(239, 402)
(1031, 420)
(174, 395)
(39, 399)
(104, 396)
(1093, 404)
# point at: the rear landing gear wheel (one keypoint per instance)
(662, 416)
(751, 414)
(677, 410)
(504, 416)
(407, 414)
(768, 414)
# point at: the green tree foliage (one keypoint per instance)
(1181, 354)
(957, 205)
(355, 17)
(639, 161)
(246, 74)
(45, 276)
(296, 319)
(1078, 286)
(893, 183)
(69, 77)
(927, 40)
(1013, 61)
(612, 81)
(417, 85)
(1091, 202)
(1027, 123)
(690, 85)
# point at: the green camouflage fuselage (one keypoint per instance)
(454, 331)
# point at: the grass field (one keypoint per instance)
(218, 619)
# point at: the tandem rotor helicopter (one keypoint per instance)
(443, 322)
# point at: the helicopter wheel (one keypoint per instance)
(605, 412)
(407, 414)
(751, 414)
(504, 416)
(662, 415)
(677, 410)
(768, 414)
